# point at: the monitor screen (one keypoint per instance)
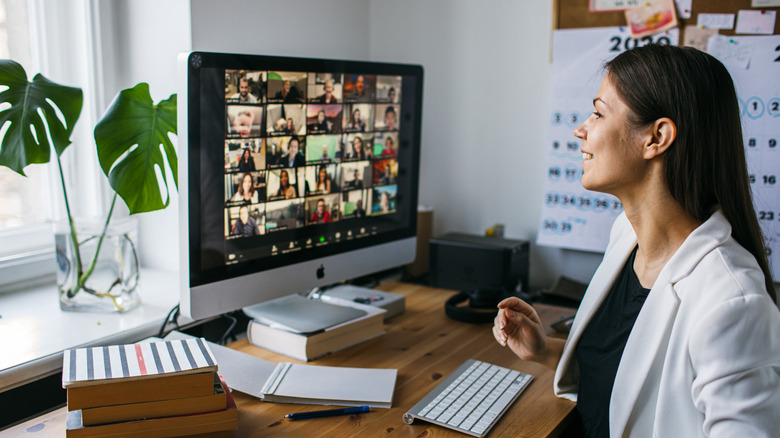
(296, 173)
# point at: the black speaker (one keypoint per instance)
(469, 262)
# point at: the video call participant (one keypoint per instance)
(384, 202)
(289, 127)
(286, 190)
(327, 96)
(387, 177)
(246, 163)
(390, 119)
(323, 184)
(322, 125)
(359, 210)
(360, 91)
(391, 95)
(321, 216)
(243, 95)
(356, 182)
(242, 123)
(356, 123)
(293, 157)
(246, 191)
(358, 152)
(245, 225)
(388, 151)
(288, 93)
(676, 335)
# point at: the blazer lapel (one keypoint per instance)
(645, 347)
(599, 287)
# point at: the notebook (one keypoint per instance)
(308, 384)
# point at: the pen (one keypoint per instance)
(326, 413)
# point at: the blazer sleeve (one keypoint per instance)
(735, 355)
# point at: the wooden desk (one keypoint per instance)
(425, 346)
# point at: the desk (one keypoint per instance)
(425, 346)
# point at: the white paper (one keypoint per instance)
(684, 8)
(758, 90)
(573, 217)
(756, 22)
(730, 50)
(765, 3)
(612, 5)
(715, 21)
(697, 37)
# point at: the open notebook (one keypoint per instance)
(297, 383)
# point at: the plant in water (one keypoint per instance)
(132, 140)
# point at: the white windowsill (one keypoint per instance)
(34, 331)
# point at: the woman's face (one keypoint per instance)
(356, 116)
(357, 145)
(246, 154)
(611, 149)
(323, 174)
(284, 178)
(247, 183)
(320, 206)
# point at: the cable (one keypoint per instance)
(175, 313)
(229, 330)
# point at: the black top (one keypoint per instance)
(601, 347)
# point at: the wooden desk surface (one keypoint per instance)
(425, 346)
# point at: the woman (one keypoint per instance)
(357, 149)
(285, 189)
(356, 123)
(677, 335)
(246, 163)
(388, 151)
(246, 191)
(323, 181)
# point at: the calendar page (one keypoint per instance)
(754, 64)
(573, 217)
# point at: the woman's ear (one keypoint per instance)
(661, 136)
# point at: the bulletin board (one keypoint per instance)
(575, 218)
(574, 14)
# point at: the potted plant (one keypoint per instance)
(133, 145)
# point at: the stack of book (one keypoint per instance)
(307, 346)
(154, 389)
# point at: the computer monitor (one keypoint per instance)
(295, 173)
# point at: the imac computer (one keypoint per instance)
(294, 173)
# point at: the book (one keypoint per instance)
(299, 383)
(155, 409)
(309, 346)
(341, 386)
(203, 423)
(134, 373)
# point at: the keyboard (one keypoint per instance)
(472, 399)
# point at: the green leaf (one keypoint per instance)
(131, 139)
(19, 146)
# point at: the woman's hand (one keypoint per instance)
(518, 326)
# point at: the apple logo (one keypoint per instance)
(321, 272)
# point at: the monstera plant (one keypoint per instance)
(132, 142)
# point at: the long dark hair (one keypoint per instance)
(705, 166)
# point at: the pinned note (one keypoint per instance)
(715, 21)
(756, 22)
(736, 53)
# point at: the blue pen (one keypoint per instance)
(327, 413)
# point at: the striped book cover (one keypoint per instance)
(114, 363)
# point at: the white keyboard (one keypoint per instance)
(472, 399)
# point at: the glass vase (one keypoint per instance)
(106, 283)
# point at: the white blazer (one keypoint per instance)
(703, 358)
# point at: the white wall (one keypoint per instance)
(485, 115)
(485, 96)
